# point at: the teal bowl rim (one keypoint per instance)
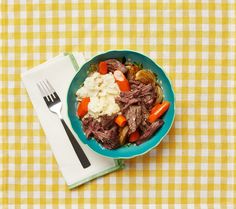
(172, 89)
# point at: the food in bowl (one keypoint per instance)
(120, 103)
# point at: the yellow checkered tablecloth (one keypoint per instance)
(195, 44)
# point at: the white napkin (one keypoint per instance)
(59, 71)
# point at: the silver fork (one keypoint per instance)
(54, 104)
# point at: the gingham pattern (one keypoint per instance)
(194, 42)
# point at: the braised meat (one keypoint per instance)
(150, 131)
(104, 130)
(134, 117)
(114, 64)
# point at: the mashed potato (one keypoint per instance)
(102, 90)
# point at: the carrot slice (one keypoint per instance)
(120, 120)
(121, 81)
(158, 110)
(102, 68)
(156, 107)
(134, 136)
(83, 107)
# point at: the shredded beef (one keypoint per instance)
(136, 85)
(120, 100)
(147, 89)
(104, 131)
(110, 138)
(90, 125)
(145, 114)
(136, 105)
(130, 102)
(107, 121)
(150, 131)
(134, 82)
(145, 94)
(134, 117)
(113, 64)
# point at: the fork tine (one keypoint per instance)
(44, 91)
(47, 87)
(41, 90)
(44, 94)
(53, 90)
(50, 86)
(48, 90)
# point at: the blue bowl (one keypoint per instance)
(127, 151)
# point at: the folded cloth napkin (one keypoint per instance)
(59, 71)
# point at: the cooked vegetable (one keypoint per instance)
(83, 107)
(102, 68)
(139, 65)
(121, 80)
(159, 94)
(158, 110)
(156, 107)
(120, 120)
(132, 70)
(123, 134)
(134, 136)
(145, 76)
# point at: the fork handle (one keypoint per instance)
(78, 150)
